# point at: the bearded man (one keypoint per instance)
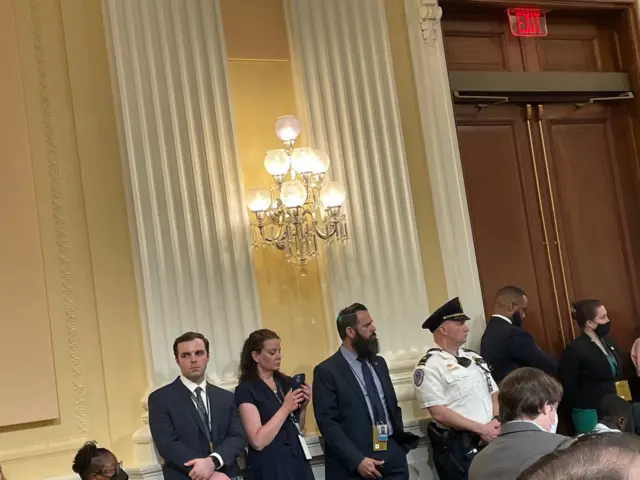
(356, 407)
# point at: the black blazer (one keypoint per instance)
(506, 347)
(585, 373)
(180, 436)
(343, 417)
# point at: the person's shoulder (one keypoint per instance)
(164, 391)
(221, 393)
(329, 363)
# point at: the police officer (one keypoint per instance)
(456, 386)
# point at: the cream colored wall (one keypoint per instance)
(69, 141)
(416, 159)
(261, 85)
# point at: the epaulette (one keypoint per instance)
(429, 354)
(470, 351)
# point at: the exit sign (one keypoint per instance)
(527, 22)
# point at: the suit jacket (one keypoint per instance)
(506, 347)
(180, 436)
(519, 445)
(343, 417)
(585, 373)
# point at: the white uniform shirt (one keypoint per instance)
(438, 379)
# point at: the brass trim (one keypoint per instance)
(544, 224)
(555, 218)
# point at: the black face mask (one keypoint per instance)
(516, 319)
(120, 475)
(366, 347)
(602, 329)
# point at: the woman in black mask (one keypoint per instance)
(590, 365)
(94, 463)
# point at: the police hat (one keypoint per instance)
(450, 311)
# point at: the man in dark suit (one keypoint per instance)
(356, 407)
(505, 344)
(195, 425)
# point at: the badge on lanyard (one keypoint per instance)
(380, 437)
(622, 390)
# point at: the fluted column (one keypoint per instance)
(169, 71)
(342, 54)
(443, 157)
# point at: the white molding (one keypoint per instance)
(168, 60)
(443, 158)
(343, 54)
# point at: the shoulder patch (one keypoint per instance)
(418, 377)
(429, 354)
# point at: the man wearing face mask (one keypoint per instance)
(505, 345)
(455, 385)
(528, 402)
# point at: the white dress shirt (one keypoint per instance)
(506, 319)
(205, 400)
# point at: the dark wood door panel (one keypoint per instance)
(505, 215)
(588, 162)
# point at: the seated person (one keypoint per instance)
(94, 463)
(614, 413)
(615, 456)
(528, 400)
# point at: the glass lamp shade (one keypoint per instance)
(277, 162)
(293, 194)
(258, 199)
(287, 128)
(304, 160)
(322, 162)
(332, 194)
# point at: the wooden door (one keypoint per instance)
(591, 173)
(504, 197)
(553, 210)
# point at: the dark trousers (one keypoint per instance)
(395, 462)
(453, 451)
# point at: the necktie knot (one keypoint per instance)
(198, 391)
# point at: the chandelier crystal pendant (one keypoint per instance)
(301, 207)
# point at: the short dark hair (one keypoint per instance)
(585, 310)
(606, 456)
(524, 393)
(188, 337)
(87, 460)
(511, 292)
(348, 317)
(613, 406)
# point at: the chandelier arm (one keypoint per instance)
(275, 239)
(328, 233)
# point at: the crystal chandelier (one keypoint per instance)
(300, 207)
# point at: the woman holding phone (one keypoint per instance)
(273, 410)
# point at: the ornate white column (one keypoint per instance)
(344, 66)
(443, 157)
(186, 195)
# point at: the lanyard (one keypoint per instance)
(292, 417)
(208, 408)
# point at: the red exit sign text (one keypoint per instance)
(527, 22)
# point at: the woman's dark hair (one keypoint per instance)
(254, 343)
(585, 310)
(524, 393)
(86, 460)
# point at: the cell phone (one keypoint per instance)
(298, 381)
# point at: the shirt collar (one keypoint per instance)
(528, 421)
(601, 427)
(506, 319)
(192, 385)
(350, 357)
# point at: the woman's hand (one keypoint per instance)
(306, 391)
(292, 400)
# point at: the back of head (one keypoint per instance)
(348, 317)
(87, 460)
(585, 310)
(604, 456)
(611, 408)
(509, 295)
(524, 393)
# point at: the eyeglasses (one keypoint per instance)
(109, 471)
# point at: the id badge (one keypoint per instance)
(622, 389)
(380, 437)
(305, 447)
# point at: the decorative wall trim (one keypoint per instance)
(443, 157)
(168, 60)
(345, 74)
